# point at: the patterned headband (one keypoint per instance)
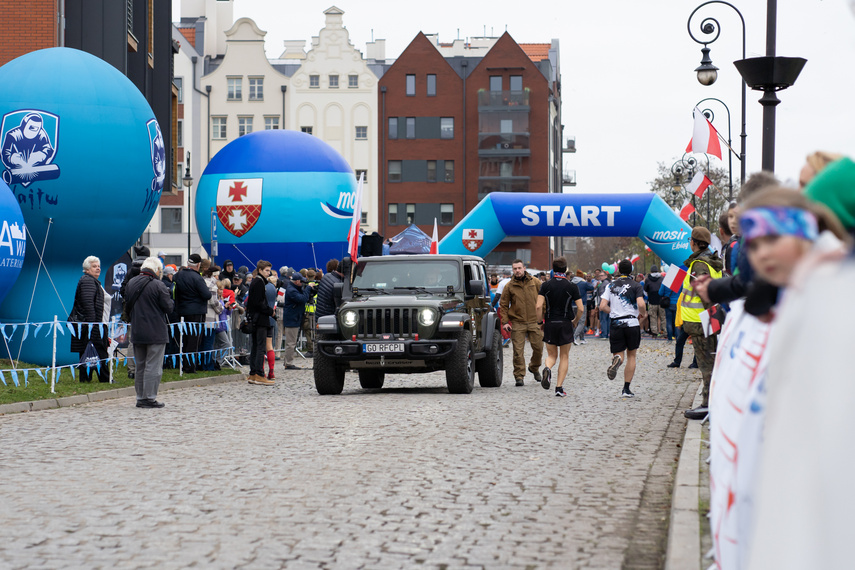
(778, 221)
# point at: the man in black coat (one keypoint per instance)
(191, 296)
(149, 304)
(326, 288)
(141, 253)
(258, 313)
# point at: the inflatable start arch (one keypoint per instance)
(564, 215)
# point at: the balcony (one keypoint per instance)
(489, 184)
(503, 100)
(503, 144)
(570, 146)
(569, 178)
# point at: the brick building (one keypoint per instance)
(458, 122)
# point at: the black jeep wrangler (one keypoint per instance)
(408, 314)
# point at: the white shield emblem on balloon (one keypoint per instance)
(239, 204)
(472, 239)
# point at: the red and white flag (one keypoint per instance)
(353, 234)
(704, 136)
(686, 210)
(434, 240)
(634, 259)
(674, 277)
(647, 248)
(699, 184)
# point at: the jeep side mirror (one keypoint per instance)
(476, 288)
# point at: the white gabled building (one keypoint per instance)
(245, 92)
(333, 95)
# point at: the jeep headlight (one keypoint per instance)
(427, 317)
(349, 318)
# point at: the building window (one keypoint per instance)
(353, 81)
(411, 127)
(449, 171)
(307, 130)
(362, 173)
(431, 85)
(394, 171)
(179, 174)
(411, 85)
(179, 84)
(244, 126)
(393, 127)
(516, 83)
(361, 133)
(431, 171)
(411, 213)
(271, 123)
(170, 221)
(446, 214)
(235, 87)
(256, 89)
(446, 128)
(333, 81)
(393, 214)
(364, 219)
(495, 83)
(314, 81)
(218, 128)
(179, 133)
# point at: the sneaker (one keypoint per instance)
(627, 393)
(271, 376)
(583, 341)
(673, 365)
(536, 374)
(293, 367)
(560, 393)
(260, 381)
(616, 362)
(547, 375)
(520, 382)
(576, 341)
(506, 342)
(698, 413)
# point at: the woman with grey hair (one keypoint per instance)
(89, 308)
(148, 304)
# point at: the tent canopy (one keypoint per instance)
(411, 240)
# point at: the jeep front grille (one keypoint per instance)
(377, 322)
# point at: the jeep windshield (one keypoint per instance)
(411, 276)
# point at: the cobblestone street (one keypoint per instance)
(234, 475)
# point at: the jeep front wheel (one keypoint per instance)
(460, 370)
(371, 379)
(329, 378)
(490, 367)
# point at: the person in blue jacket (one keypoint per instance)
(670, 310)
(296, 297)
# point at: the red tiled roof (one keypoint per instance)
(190, 34)
(536, 52)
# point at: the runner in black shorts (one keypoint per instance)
(624, 301)
(559, 307)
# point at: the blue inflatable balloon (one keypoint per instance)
(13, 240)
(283, 196)
(85, 159)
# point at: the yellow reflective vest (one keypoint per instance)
(691, 305)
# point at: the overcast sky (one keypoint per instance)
(627, 70)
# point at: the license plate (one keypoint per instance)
(383, 347)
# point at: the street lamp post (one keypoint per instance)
(768, 74)
(685, 168)
(710, 115)
(708, 73)
(188, 184)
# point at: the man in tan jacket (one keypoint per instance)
(519, 316)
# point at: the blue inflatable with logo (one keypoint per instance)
(13, 240)
(283, 196)
(502, 214)
(85, 160)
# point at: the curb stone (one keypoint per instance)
(52, 403)
(684, 544)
